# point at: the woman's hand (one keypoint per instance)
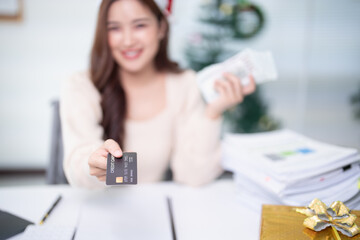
(231, 92)
(98, 159)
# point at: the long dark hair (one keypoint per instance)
(104, 72)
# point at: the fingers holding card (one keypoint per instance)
(122, 170)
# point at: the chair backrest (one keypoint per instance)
(54, 172)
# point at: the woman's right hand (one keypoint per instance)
(98, 159)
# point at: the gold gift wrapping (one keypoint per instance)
(315, 223)
(319, 208)
(337, 216)
(348, 221)
(280, 222)
(339, 209)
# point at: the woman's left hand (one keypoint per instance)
(231, 92)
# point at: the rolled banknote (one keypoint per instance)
(248, 62)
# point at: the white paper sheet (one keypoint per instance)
(31, 204)
(124, 214)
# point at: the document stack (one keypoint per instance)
(284, 167)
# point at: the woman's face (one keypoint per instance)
(134, 35)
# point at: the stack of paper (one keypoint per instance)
(284, 167)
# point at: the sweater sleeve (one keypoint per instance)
(80, 113)
(196, 153)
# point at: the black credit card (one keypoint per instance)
(121, 170)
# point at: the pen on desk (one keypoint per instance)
(169, 203)
(50, 210)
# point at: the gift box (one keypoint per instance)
(284, 223)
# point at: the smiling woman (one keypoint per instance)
(135, 47)
(134, 98)
(134, 36)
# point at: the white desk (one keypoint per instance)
(209, 212)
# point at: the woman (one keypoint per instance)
(135, 99)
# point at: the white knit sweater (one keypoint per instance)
(181, 136)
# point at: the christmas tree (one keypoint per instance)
(223, 22)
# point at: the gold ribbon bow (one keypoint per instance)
(337, 216)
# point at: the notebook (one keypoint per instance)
(11, 224)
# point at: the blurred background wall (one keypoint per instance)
(315, 43)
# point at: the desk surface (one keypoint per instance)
(209, 212)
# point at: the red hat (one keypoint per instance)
(165, 6)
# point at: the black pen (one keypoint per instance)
(52, 207)
(169, 203)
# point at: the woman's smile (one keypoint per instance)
(131, 54)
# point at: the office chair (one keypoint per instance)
(54, 172)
